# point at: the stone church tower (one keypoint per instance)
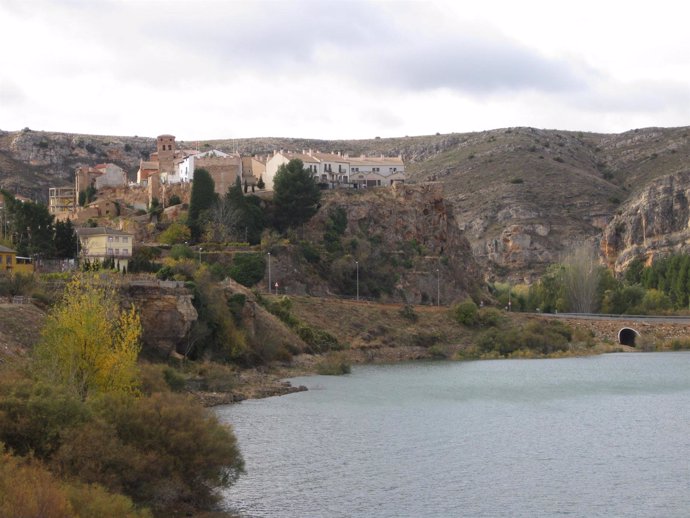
(166, 153)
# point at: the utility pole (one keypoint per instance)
(357, 267)
(269, 272)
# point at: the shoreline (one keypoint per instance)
(256, 384)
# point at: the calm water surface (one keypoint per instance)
(599, 436)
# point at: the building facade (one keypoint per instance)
(98, 244)
(340, 170)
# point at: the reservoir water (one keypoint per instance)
(598, 436)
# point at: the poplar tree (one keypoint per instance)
(202, 199)
(88, 344)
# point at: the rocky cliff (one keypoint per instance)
(407, 236)
(33, 161)
(655, 222)
(167, 314)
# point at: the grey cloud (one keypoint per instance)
(373, 47)
(640, 97)
(367, 43)
(474, 66)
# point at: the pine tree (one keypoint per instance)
(296, 195)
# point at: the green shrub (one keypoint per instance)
(318, 340)
(408, 313)
(466, 313)
(248, 269)
(218, 377)
(33, 417)
(164, 451)
(181, 251)
(174, 379)
(679, 344)
(489, 317)
(310, 253)
(175, 233)
(236, 303)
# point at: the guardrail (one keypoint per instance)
(607, 316)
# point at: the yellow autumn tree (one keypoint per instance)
(88, 343)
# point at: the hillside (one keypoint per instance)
(523, 196)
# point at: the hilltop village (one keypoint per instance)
(168, 175)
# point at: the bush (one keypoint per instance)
(542, 337)
(34, 416)
(678, 344)
(408, 313)
(489, 317)
(175, 233)
(27, 490)
(181, 251)
(248, 269)
(333, 365)
(318, 339)
(310, 253)
(164, 451)
(174, 379)
(466, 313)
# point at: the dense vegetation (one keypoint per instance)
(30, 229)
(85, 431)
(662, 287)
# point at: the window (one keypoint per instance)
(117, 239)
(110, 238)
(124, 239)
(8, 259)
(117, 251)
(110, 251)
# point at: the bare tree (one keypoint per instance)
(581, 275)
(222, 223)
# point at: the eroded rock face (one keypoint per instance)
(655, 222)
(417, 230)
(166, 311)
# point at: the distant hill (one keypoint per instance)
(523, 196)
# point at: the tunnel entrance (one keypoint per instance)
(627, 336)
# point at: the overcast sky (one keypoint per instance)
(202, 69)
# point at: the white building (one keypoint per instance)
(185, 166)
(339, 170)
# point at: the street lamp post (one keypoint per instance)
(200, 249)
(357, 267)
(438, 287)
(269, 272)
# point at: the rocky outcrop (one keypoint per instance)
(33, 161)
(166, 312)
(407, 233)
(656, 222)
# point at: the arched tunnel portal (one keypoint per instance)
(627, 336)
